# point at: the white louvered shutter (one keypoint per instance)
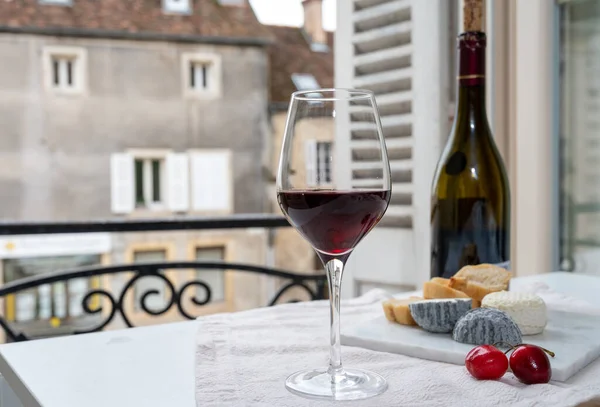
(397, 49)
(122, 183)
(310, 158)
(211, 181)
(178, 182)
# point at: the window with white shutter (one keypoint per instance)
(178, 182)
(211, 181)
(122, 183)
(383, 52)
(310, 160)
(150, 180)
(398, 49)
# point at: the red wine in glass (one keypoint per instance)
(334, 222)
(332, 216)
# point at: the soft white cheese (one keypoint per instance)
(527, 310)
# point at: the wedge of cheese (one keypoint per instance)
(432, 290)
(439, 315)
(397, 310)
(527, 310)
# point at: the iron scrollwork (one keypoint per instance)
(116, 305)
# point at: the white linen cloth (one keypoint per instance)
(243, 359)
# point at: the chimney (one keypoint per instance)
(313, 21)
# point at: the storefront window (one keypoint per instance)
(60, 300)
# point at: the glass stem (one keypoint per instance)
(334, 269)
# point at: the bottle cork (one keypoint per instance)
(472, 15)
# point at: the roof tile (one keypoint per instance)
(208, 17)
(290, 54)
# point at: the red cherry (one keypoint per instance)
(486, 362)
(530, 364)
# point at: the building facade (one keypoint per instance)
(301, 58)
(136, 109)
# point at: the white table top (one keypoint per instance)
(152, 366)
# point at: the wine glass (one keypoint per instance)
(333, 203)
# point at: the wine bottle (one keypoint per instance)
(470, 219)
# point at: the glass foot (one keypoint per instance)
(349, 384)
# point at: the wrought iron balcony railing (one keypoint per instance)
(113, 303)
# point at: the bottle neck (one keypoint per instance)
(471, 77)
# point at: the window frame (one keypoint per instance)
(78, 72)
(214, 77)
(149, 191)
(321, 161)
(167, 10)
(228, 303)
(147, 156)
(64, 3)
(9, 305)
(232, 3)
(130, 252)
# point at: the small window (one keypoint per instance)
(215, 279)
(318, 157)
(177, 6)
(64, 69)
(149, 179)
(232, 2)
(57, 2)
(201, 75)
(145, 284)
(319, 47)
(306, 82)
(324, 151)
(149, 183)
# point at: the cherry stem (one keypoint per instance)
(513, 347)
(549, 352)
(508, 345)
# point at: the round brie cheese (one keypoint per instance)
(527, 310)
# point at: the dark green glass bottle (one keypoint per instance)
(470, 219)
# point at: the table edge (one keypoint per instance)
(17, 385)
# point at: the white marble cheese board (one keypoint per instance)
(574, 337)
